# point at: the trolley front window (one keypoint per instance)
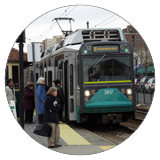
(106, 69)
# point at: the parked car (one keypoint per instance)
(137, 80)
(142, 83)
(150, 85)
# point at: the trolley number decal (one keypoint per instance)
(108, 91)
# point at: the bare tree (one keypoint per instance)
(144, 56)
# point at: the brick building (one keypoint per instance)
(12, 66)
(140, 49)
(133, 37)
(14, 55)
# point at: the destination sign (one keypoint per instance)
(106, 48)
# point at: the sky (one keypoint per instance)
(45, 27)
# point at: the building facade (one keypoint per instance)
(133, 37)
(142, 55)
(12, 71)
(48, 42)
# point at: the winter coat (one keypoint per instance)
(51, 111)
(10, 94)
(29, 98)
(60, 95)
(41, 96)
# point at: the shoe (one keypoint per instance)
(60, 122)
(52, 146)
(59, 145)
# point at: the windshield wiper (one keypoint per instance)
(99, 61)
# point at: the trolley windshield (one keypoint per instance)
(104, 69)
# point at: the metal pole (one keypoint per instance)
(70, 25)
(21, 97)
(59, 25)
(136, 67)
(35, 84)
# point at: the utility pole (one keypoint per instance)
(35, 84)
(21, 40)
(33, 55)
(136, 66)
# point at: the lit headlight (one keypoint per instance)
(129, 91)
(87, 93)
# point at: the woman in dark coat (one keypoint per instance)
(29, 104)
(60, 97)
(52, 106)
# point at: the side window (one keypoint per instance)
(56, 61)
(15, 76)
(71, 79)
(31, 76)
(49, 62)
(50, 78)
(71, 105)
(78, 75)
(36, 77)
(61, 76)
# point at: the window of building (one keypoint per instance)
(138, 40)
(131, 30)
(133, 39)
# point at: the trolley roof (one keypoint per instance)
(94, 34)
(76, 38)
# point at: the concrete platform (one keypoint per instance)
(74, 139)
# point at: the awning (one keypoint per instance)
(141, 71)
(150, 69)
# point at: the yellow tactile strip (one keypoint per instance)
(71, 137)
(107, 147)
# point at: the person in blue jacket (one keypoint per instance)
(41, 96)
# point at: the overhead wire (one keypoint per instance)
(50, 28)
(59, 21)
(110, 22)
(103, 21)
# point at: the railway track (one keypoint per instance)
(141, 112)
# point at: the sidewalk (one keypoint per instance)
(74, 140)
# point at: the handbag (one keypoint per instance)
(43, 129)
